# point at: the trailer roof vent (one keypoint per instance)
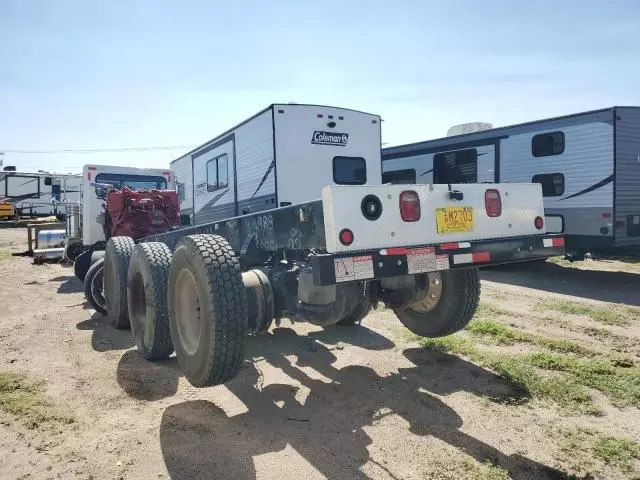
(468, 128)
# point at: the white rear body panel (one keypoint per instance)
(305, 164)
(521, 204)
(148, 178)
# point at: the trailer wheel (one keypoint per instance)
(448, 305)
(147, 299)
(207, 309)
(116, 265)
(93, 287)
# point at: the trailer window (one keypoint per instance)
(460, 166)
(20, 187)
(349, 170)
(134, 182)
(407, 176)
(218, 173)
(547, 144)
(552, 184)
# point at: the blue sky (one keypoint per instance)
(79, 74)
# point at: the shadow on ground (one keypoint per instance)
(104, 337)
(329, 428)
(617, 287)
(144, 380)
(69, 284)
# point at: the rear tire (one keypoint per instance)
(93, 287)
(81, 264)
(357, 313)
(207, 309)
(147, 299)
(457, 293)
(116, 266)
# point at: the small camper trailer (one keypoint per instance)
(38, 194)
(281, 156)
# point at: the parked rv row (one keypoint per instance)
(588, 166)
(40, 194)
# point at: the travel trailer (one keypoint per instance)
(38, 194)
(588, 165)
(281, 156)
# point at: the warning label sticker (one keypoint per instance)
(420, 260)
(442, 262)
(353, 268)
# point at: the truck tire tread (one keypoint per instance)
(117, 255)
(220, 280)
(456, 308)
(151, 260)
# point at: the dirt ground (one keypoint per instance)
(341, 403)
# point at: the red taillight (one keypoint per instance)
(410, 206)
(88, 175)
(493, 203)
(539, 223)
(346, 237)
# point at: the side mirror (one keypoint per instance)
(102, 190)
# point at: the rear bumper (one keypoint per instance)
(329, 269)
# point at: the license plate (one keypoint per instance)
(454, 219)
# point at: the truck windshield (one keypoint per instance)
(134, 182)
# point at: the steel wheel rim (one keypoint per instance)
(187, 311)
(433, 295)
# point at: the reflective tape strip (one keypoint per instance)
(454, 245)
(553, 242)
(477, 257)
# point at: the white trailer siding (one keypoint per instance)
(587, 160)
(582, 206)
(255, 170)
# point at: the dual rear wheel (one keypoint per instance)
(194, 302)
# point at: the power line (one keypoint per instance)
(97, 150)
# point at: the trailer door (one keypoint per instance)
(214, 182)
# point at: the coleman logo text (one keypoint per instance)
(330, 138)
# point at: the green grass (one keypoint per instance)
(619, 382)
(488, 310)
(581, 446)
(25, 400)
(567, 394)
(620, 452)
(568, 376)
(483, 471)
(507, 335)
(608, 316)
